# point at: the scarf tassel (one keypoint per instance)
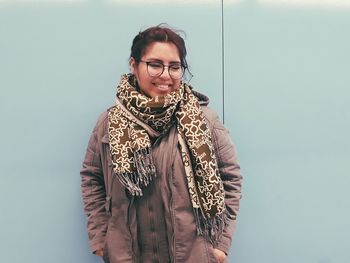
(146, 171)
(210, 228)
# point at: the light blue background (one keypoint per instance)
(286, 102)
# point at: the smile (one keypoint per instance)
(162, 86)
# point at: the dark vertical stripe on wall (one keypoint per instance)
(223, 60)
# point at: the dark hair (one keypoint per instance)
(159, 33)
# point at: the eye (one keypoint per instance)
(155, 65)
(175, 67)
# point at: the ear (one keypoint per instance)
(133, 65)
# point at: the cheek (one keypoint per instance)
(141, 78)
(145, 84)
(177, 84)
(144, 80)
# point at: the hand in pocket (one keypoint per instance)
(219, 255)
(99, 252)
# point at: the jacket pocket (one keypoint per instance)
(212, 257)
(210, 252)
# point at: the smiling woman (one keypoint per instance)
(160, 179)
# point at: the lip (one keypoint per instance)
(164, 87)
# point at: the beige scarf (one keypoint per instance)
(131, 148)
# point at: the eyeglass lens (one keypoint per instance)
(156, 69)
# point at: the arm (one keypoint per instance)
(93, 190)
(230, 174)
(231, 177)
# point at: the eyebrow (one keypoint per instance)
(161, 61)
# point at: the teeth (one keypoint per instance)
(162, 86)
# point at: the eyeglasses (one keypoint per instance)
(155, 69)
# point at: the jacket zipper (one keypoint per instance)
(173, 258)
(172, 212)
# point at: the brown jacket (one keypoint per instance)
(160, 225)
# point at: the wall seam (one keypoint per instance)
(223, 60)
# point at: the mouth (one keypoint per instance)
(163, 87)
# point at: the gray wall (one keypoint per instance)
(285, 101)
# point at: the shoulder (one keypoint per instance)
(212, 117)
(209, 113)
(203, 102)
(101, 121)
(101, 126)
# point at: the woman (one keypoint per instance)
(160, 179)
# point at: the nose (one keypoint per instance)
(165, 73)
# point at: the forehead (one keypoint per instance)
(163, 51)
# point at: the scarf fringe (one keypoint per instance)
(210, 228)
(146, 171)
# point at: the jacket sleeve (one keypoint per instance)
(93, 189)
(229, 170)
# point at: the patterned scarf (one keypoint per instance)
(130, 148)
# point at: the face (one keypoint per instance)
(165, 53)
